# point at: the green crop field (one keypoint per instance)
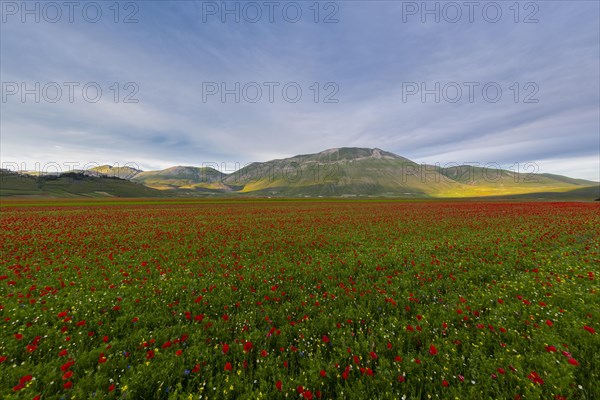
(299, 299)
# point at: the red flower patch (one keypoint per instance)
(535, 378)
(433, 350)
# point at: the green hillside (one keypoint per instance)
(183, 178)
(478, 181)
(582, 194)
(71, 185)
(566, 179)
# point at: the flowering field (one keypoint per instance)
(362, 300)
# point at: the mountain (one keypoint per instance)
(341, 172)
(374, 172)
(345, 172)
(183, 178)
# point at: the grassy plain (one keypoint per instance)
(277, 299)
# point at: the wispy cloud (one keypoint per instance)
(369, 56)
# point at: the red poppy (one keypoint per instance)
(373, 355)
(67, 365)
(535, 378)
(247, 347)
(111, 387)
(573, 361)
(278, 385)
(589, 329)
(551, 349)
(18, 387)
(228, 367)
(325, 339)
(445, 383)
(68, 385)
(433, 350)
(67, 375)
(323, 373)
(149, 355)
(225, 348)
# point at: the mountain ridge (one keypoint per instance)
(343, 172)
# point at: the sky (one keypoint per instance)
(154, 84)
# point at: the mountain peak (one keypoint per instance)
(124, 172)
(357, 153)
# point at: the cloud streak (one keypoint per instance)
(369, 55)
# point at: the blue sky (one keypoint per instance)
(371, 61)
